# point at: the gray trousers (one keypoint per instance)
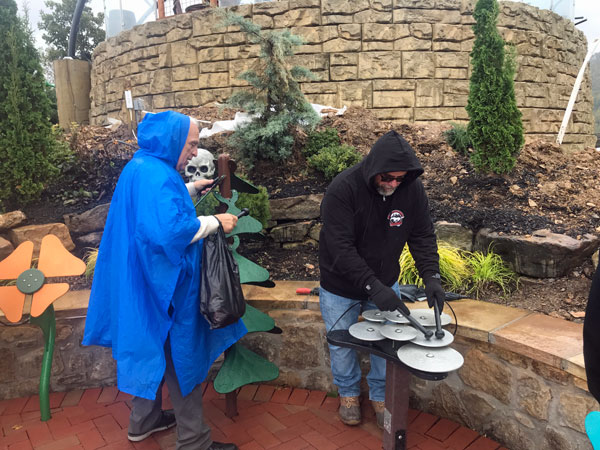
(192, 432)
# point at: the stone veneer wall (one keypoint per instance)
(405, 60)
(523, 403)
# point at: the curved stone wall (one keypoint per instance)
(406, 60)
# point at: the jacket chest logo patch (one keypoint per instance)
(396, 217)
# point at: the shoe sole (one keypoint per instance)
(141, 437)
(350, 422)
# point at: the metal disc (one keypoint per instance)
(398, 332)
(395, 316)
(374, 315)
(426, 317)
(30, 281)
(366, 331)
(433, 341)
(435, 360)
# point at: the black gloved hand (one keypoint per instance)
(385, 298)
(434, 292)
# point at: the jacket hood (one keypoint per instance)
(163, 135)
(391, 153)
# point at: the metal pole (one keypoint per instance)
(576, 86)
(75, 27)
(47, 323)
(395, 415)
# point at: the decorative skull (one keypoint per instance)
(200, 167)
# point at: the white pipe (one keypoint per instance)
(574, 92)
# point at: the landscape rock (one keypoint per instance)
(35, 233)
(6, 248)
(454, 234)
(11, 219)
(90, 239)
(291, 232)
(89, 221)
(542, 255)
(299, 207)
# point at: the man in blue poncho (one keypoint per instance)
(144, 301)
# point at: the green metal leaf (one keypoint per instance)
(256, 320)
(241, 367)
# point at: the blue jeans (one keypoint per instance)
(344, 361)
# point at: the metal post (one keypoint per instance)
(47, 323)
(395, 416)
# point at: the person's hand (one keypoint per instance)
(385, 298)
(199, 185)
(434, 292)
(228, 221)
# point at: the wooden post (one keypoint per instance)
(223, 168)
(73, 86)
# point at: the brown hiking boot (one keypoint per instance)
(379, 408)
(349, 410)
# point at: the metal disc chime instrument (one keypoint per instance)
(419, 340)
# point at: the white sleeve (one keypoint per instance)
(191, 188)
(208, 225)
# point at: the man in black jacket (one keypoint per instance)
(369, 212)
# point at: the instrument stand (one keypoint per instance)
(395, 416)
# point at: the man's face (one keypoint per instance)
(190, 149)
(386, 183)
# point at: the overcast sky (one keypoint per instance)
(589, 9)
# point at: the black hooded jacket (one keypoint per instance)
(591, 337)
(363, 232)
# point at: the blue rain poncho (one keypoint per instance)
(147, 276)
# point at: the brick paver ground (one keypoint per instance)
(269, 418)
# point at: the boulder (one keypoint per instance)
(300, 207)
(454, 234)
(89, 221)
(541, 255)
(90, 239)
(11, 219)
(291, 232)
(6, 248)
(35, 233)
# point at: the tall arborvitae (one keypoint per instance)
(26, 142)
(495, 126)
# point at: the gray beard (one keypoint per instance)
(385, 192)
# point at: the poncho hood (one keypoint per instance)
(163, 135)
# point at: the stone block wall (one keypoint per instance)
(405, 60)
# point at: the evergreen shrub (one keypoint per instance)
(495, 126)
(457, 137)
(274, 101)
(334, 159)
(321, 139)
(29, 151)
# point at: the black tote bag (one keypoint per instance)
(221, 297)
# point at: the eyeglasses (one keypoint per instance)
(387, 178)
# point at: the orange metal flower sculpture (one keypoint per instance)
(54, 261)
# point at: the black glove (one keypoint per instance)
(434, 292)
(385, 298)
